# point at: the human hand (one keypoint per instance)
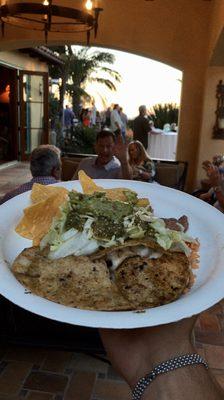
(206, 165)
(145, 176)
(214, 175)
(121, 149)
(134, 353)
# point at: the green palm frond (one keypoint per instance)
(103, 99)
(82, 66)
(111, 72)
(78, 91)
(109, 84)
(103, 57)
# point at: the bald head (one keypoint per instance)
(45, 160)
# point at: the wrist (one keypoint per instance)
(123, 160)
(157, 356)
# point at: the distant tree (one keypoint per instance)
(164, 114)
(81, 67)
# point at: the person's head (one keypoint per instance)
(105, 143)
(143, 110)
(218, 159)
(116, 107)
(45, 160)
(136, 152)
(173, 127)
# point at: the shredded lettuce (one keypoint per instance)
(139, 224)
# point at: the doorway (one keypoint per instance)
(23, 113)
(33, 106)
(8, 114)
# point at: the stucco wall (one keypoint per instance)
(209, 146)
(22, 61)
(181, 33)
(215, 72)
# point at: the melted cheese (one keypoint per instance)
(117, 257)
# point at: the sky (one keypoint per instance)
(144, 81)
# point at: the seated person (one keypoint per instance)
(111, 161)
(217, 189)
(142, 166)
(45, 167)
(204, 192)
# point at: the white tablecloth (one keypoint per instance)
(162, 146)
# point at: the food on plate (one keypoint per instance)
(104, 249)
(42, 192)
(38, 218)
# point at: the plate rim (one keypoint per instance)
(99, 319)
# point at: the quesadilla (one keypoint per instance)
(106, 254)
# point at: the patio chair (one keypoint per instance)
(171, 173)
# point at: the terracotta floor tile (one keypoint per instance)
(13, 376)
(46, 382)
(14, 176)
(39, 396)
(82, 362)
(34, 355)
(17, 397)
(113, 375)
(111, 390)
(56, 361)
(81, 386)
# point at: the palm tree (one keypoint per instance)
(81, 67)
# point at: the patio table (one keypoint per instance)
(162, 146)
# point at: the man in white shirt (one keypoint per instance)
(111, 161)
(115, 120)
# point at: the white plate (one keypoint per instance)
(206, 223)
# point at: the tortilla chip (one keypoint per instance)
(88, 185)
(42, 192)
(37, 218)
(143, 202)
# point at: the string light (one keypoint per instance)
(46, 16)
(89, 5)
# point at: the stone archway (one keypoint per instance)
(175, 33)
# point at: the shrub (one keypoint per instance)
(165, 114)
(78, 139)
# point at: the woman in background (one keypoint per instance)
(142, 166)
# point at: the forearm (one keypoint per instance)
(182, 384)
(188, 383)
(220, 198)
(127, 172)
(135, 353)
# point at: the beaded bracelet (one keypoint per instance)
(164, 367)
